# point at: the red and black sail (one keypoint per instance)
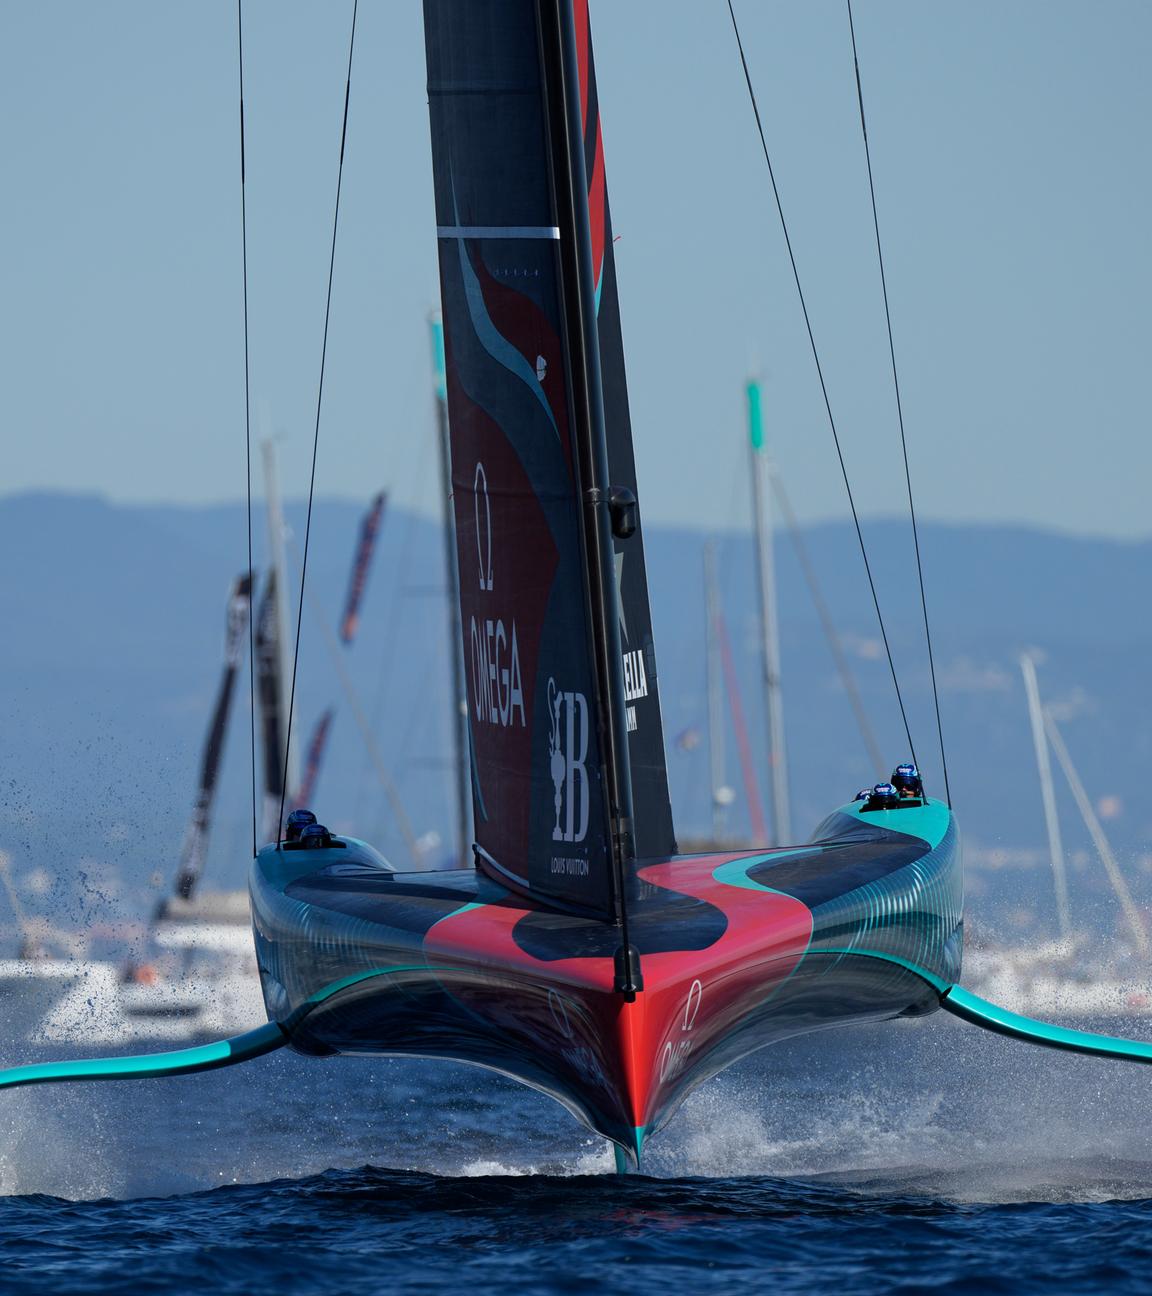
(195, 846)
(361, 565)
(314, 758)
(542, 626)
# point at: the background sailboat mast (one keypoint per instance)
(769, 629)
(279, 570)
(721, 794)
(1100, 841)
(194, 849)
(1051, 819)
(461, 770)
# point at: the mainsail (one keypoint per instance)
(548, 685)
(195, 845)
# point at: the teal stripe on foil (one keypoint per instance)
(971, 1008)
(204, 1057)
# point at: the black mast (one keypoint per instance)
(461, 761)
(562, 77)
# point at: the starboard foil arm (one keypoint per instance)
(203, 1057)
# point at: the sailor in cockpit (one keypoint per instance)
(297, 821)
(906, 780)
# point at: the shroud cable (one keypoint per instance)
(316, 430)
(899, 411)
(823, 384)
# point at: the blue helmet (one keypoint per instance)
(863, 794)
(315, 837)
(906, 779)
(298, 820)
(882, 796)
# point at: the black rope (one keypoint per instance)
(830, 632)
(247, 437)
(823, 385)
(316, 431)
(899, 409)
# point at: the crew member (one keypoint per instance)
(298, 820)
(315, 837)
(882, 797)
(906, 780)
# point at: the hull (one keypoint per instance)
(737, 950)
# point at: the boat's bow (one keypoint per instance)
(736, 950)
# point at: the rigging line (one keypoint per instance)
(800, 548)
(823, 384)
(247, 437)
(899, 411)
(316, 430)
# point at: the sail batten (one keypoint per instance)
(498, 232)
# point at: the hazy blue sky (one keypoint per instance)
(1012, 165)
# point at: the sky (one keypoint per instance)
(1011, 158)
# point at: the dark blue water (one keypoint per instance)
(913, 1157)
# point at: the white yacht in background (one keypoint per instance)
(1058, 978)
(198, 974)
(57, 1000)
(201, 977)
(1061, 977)
(51, 998)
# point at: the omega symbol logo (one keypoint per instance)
(567, 753)
(677, 1052)
(692, 1006)
(483, 529)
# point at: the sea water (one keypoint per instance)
(915, 1156)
